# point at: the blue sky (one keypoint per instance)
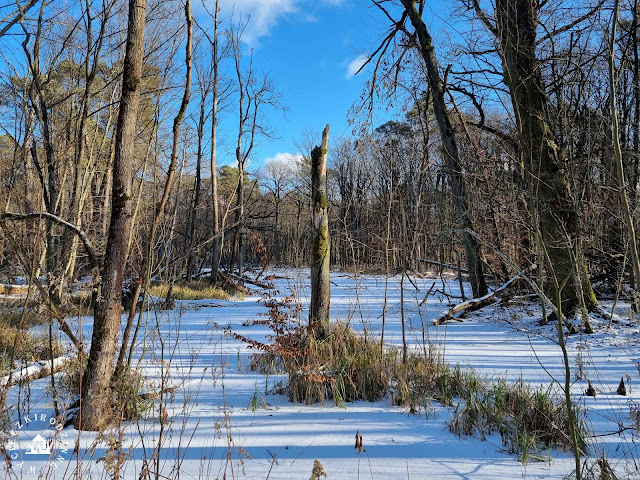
(311, 49)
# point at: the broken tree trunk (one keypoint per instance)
(474, 304)
(320, 288)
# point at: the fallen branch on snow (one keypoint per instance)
(477, 303)
(36, 370)
(247, 280)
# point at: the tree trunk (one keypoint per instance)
(145, 270)
(452, 157)
(236, 253)
(217, 242)
(320, 287)
(191, 237)
(617, 151)
(96, 395)
(543, 163)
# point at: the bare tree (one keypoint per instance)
(452, 157)
(255, 92)
(617, 151)
(145, 271)
(96, 386)
(216, 231)
(549, 192)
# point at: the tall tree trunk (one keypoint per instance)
(96, 394)
(452, 157)
(543, 163)
(617, 151)
(634, 174)
(145, 271)
(217, 242)
(320, 286)
(238, 251)
(191, 236)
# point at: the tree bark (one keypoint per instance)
(320, 286)
(543, 164)
(215, 256)
(454, 166)
(96, 394)
(617, 151)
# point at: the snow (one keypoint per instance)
(36, 368)
(211, 413)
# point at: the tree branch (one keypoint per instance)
(93, 259)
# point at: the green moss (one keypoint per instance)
(320, 246)
(131, 82)
(316, 153)
(324, 203)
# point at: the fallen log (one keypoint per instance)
(36, 370)
(247, 280)
(456, 312)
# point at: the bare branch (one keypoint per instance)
(93, 259)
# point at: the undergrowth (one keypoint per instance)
(24, 346)
(127, 402)
(194, 290)
(344, 367)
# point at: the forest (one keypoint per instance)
(477, 200)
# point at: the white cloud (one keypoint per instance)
(263, 15)
(288, 159)
(355, 65)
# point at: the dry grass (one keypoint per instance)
(23, 345)
(526, 418)
(343, 367)
(195, 290)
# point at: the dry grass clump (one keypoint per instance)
(342, 367)
(194, 290)
(24, 346)
(414, 384)
(526, 418)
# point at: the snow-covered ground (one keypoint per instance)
(221, 421)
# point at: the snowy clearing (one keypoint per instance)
(266, 436)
